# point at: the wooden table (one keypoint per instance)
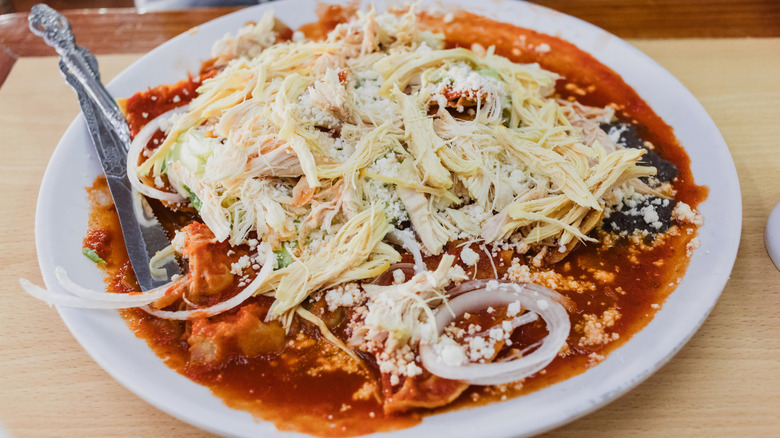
(725, 382)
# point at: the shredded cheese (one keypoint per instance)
(320, 148)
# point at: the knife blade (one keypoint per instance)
(143, 235)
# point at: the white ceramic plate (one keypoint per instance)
(61, 223)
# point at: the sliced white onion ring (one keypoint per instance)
(159, 260)
(386, 278)
(468, 286)
(226, 305)
(536, 299)
(88, 298)
(399, 237)
(142, 210)
(137, 146)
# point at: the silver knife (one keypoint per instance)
(143, 234)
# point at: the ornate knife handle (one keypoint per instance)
(111, 138)
(78, 63)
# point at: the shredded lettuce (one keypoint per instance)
(490, 73)
(92, 255)
(193, 150)
(193, 198)
(283, 256)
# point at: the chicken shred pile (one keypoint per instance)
(319, 149)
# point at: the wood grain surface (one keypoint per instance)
(122, 30)
(725, 382)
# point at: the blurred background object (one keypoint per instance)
(163, 5)
(8, 6)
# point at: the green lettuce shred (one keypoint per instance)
(92, 255)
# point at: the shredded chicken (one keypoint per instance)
(319, 148)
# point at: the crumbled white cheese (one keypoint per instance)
(316, 114)
(496, 333)
(692, 246)
(469, 256)
(385, 195)
(615, 132)
(367, 99)
(542, 48)
(341, 149)
(348, 295)
(461, 79)
(513, 309)
(179, 238)
(243, 262)
(386, 165)
(683, 213)
(412, 369)
(450, 352)
(475, 345)
(457, 274)
(507, 326)
(480, 349)
(650, 216)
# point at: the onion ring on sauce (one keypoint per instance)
(226, 305)
(90, 299)
(410, 243)
(136, 147)
(471, 285)
(386, 278)
(534, 298)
